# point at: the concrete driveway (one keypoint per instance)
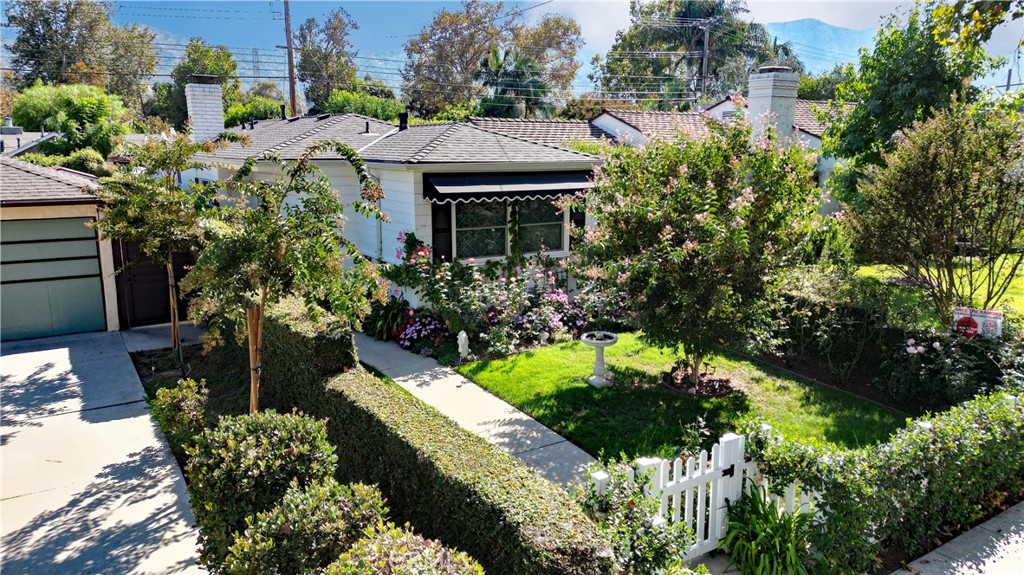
(89, 485)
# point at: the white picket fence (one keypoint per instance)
(696, 491)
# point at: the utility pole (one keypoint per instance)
(1009, 77)
(256, 64)
(291, 56)
(704, 63)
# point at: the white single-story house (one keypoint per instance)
(451, 184)
(55, 276)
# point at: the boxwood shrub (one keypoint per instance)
(307, 531)
(452, 485)
(180, 411)
(388, 550)
(244, 466)
(943, 472)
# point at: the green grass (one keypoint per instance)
(638, 416)
(1013, 298)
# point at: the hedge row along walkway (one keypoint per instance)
(475, 409)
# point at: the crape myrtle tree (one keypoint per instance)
(146, 204)
(948, 205)
(278, 238)
(693, 232)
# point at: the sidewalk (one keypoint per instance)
(472, 407)
(995, 547)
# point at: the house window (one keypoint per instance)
(482, 229)
(540, 225)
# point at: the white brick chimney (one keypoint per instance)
(203, 96)
(772, 100)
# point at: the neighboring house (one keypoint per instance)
(637, 127)
(15, 141)
(773, 100)
(55, 276)
(451, 184)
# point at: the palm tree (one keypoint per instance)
(517, 85)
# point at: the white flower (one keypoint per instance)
(936, 345)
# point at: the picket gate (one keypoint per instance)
(697, 491)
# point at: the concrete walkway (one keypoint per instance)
(88, 484)
(995, 547)
(477, 410)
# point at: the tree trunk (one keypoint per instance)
(173, 294)
(254, 329)
(695, 370)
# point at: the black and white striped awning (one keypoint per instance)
(447, 188)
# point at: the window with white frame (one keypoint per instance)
(482, 228)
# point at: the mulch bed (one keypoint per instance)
(678, 380)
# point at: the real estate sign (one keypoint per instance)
(970, 322)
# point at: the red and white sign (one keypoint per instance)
(970, 322)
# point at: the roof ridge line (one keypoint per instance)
(559, 148)
(307, 134)
(434, 143)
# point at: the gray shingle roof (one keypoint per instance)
(25, 183)
(664, 124)
(423, 144)
(465, 143)
(551, 132)
(806, 117)
(289, 138)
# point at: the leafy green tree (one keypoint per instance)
(643, 66)
(325, 56)
(443, 60)
(906, 77)
(146, 204)
(254, 108)
(946, 205)
(344, 102)
(823, 86)
(200, 58)
(73, 41)
(55, 34)
(375, 87)
(266, 89)
(693, 233)
(85, 116)
(283, 237)
(552, 43)
(131, 58)
(516, 83)
(457, 113)
(973, 22)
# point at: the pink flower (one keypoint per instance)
(689, 245)
(401, 237)
(936, 345)
(398, 253)
(702, 217)
(911, 341)
(470, 261)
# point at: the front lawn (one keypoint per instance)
(639, 416)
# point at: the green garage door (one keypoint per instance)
(50, 280)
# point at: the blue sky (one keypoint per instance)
(384, 25)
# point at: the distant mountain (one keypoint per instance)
(821, 46)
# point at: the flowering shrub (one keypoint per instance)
(694, 231)
(421, 329)
(935, 371)
(503, 308)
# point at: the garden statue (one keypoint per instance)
(463, 340)
(542, 338)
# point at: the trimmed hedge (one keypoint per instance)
(943, 472)
(388, 550)
(180, 411)
(307, 531)
(245, 466)
(451, 484)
